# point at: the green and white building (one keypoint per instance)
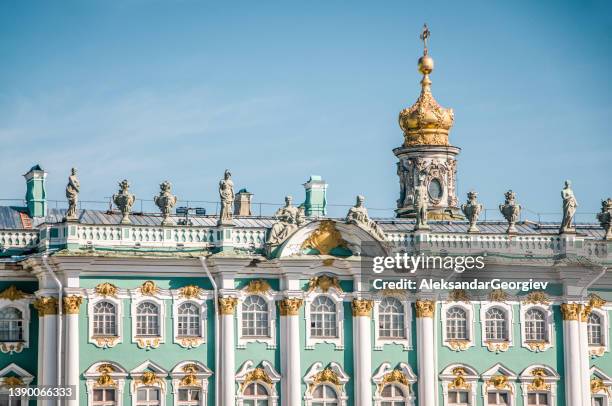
(150, 309)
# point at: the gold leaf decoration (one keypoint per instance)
(538, 383)
(326, 375)
(258, 286)
(571, 311)
(325, 238)
(257, 375)
(459, 382)
(498, 295)
(362, 307)
(395, 376)
(597, 385)
(227, 305)
(12, 293)
(72, 304)
(499, 382)
(324, 282)
(190, 292)
(106, 289)
(46, 305)
(458, 295)
(537, 297)
(149, 288)
(425, 308)
(13, 381)
(290, 306)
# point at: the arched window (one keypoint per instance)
(456, 324)
(535, 325)
(393, 396)
(594, 329)
(148, 396)
(323, 321)
(495, 325)
(188, 320)
(391, 318)
(104, 319)
(324, 395)
(255, 394)
(147, 319)
(255, 317)
(11, 325)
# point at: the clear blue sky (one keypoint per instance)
(276, 91)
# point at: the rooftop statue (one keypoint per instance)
(569, 208)
(289, 219)
(226, 193)
(605, 217)
(511, 211)
(72, 194)
(472, 210)
(358, 215)
(421, 202)
(124, 201)
(165, 201)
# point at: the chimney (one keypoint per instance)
(36, 195)
(316, 196)
(242, 203)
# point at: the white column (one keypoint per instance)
(47, 312)
(71, 365)
(426, 359)
(362, 350)
(584, 359)
(227, 306)
(291, 387)
(572, 354)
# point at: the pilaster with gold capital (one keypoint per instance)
(227, 305)
(72, 304)
(290, 306)
(46, 305)
(362, 307)
(425, 308)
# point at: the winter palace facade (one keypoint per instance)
(170, 309)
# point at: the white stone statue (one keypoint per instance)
(72, 194)
(289, 219)
(569, 208)
(421, 203)
(165, 201)
(226, 193)
(358, 215)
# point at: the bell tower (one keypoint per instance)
(426, 154)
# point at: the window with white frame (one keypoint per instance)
(255, 321)
(496, 325)
(458, 398)
(323, 322)
(539, 385)
(594, 329)
(255, 394)
(535, 326)
(501, 398)
(393, 395)
(189, 397)
(538, 398)
(147, 320)
(324, 395)
(104, 397)
(11, 325)
(456, 324)
(598, 400)
(148, 396)
(188, 324)
(104, 319)
(391, 319)
(7, 400)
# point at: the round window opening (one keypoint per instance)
(435, 189)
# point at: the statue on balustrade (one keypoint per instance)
(288, 219)
(124, 201)
(569, 208)
(358, 215)
(226, 193)
(165, 201)
(72, 194)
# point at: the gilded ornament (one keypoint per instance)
(498, 295)
(459, 295)
(46, 305)
(189, 380)
(227, 305)
(597, 351)
(395, 376)
(598, 385)
(149, 378)
(148, 342)
(596, 301)
(106, 289)
(459, 382)
(325, 238)
(497, 347)
(362, 307)
(538, 383)
(72, 304)
(12, 381)
(190, 292)
(499, 382)
(324, 282)
(10, 348)
(290, 306)
(571, 311)
(458, 345)
(190, 342)
(326, 375)
(105, 379)
(538, 297)
(149, 288)
(256, 375)
(537, 345)
(105, 341)
(425, 308)
(12, 293)
(258, 286)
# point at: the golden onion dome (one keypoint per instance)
(426, 122)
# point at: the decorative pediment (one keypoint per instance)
(12, 293)
(324, 283)
(539, 377)
(499, 377)
(264, 373)
(190, 292)
(258, 286)
(106, 289)
(190, 374)
(332, 374)
(601, 383)
(13, 375)
(459, 376)
(536, 298)
(148, 374)
(402, 374)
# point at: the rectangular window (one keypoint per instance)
(148, 397)
(5, 401)
(189, 397)
(539, 399)
(498, 399)
(599, 401)
(103, 397)
(458, 398)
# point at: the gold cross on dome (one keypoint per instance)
(424, 37)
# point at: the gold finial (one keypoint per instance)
(425, 34)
